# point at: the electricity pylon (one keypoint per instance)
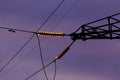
(105, 28)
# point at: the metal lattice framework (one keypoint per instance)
(105, 28)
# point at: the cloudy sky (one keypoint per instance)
(89, 60)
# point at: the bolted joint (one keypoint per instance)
(75, 36)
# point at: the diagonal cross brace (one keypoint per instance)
(105, 28)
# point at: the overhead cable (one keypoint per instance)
(16, 54)
(41, 57)
(31, 36)
(56, 59)
(66, 14)
(54, 77)
(39, 70)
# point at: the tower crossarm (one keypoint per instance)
(105, 28)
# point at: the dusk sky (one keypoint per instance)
(86, 60)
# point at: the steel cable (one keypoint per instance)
(41, 56)
(40, 70)
(31, 37)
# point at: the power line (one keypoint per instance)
(41, 56)
(16, 53)
(66, 14)
(50, 15)
(14, 30)
(75, 36)
(56, 59)
(42, 60)
(17, 62)
(31, 36)
(40, 70)
(54, 77)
